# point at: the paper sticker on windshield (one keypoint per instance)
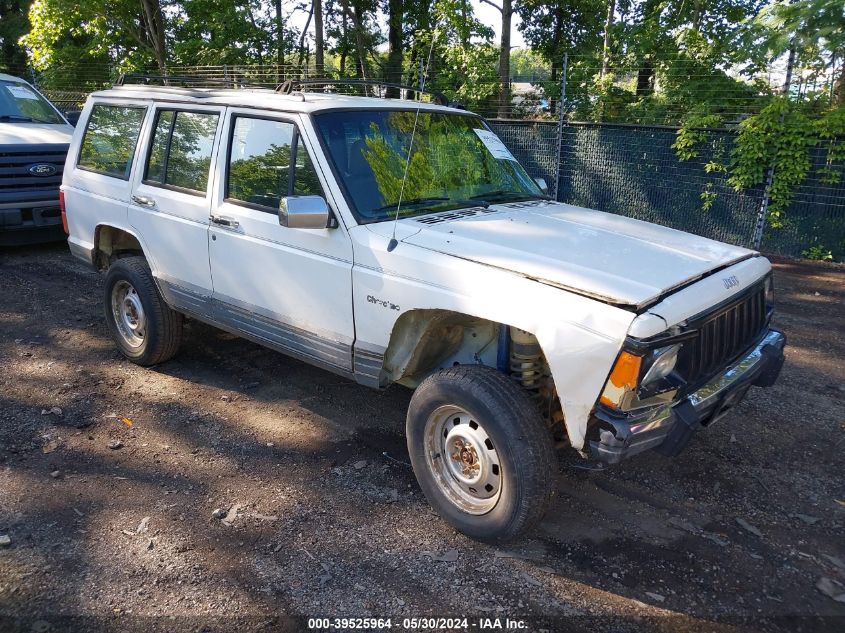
(22, 92)
(494, 145)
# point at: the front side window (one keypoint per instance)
(19, 103)
(180, 152)
(267, 161)
(110, 139)
(456, 161)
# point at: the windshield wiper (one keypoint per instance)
(16, 117)
(413, 202)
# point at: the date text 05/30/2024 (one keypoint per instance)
(418, 624)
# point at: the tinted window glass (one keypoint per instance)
(455, 162)
(189, 137)
(155, 166)
(260, 163)
(305, 182)
(20, 103)
(110, 139)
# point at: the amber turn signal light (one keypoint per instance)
(622, 379)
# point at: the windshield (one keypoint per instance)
(21, 104)
(456, 162)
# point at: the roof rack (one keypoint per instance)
(297, 84)
(181, 81)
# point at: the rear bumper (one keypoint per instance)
(668, 429)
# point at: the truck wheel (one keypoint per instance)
(144, 327)
(481, 452)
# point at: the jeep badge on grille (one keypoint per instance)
(730, 282)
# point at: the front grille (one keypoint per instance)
(18, 184)
(723, 336)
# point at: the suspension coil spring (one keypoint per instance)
(526, 360)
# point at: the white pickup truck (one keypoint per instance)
(399, 241)
(34, 139)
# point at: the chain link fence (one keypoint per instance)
(604, 140)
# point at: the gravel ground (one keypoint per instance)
(110, 475)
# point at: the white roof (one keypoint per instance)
(263, 98)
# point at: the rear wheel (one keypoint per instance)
(144, 327)
(481, 452)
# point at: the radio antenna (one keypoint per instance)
(393, 243)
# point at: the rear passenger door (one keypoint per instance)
(97, 182)
(171, 199)
(291, 287)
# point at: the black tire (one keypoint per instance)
(163, 326)
(522, 443)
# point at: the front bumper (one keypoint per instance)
(31, 223)
(668, 429)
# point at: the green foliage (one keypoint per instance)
(831, 130)
(14, 22)
(818, 253)
(779, 139)
(223, 32)
(692, 133)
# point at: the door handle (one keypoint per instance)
(144, 201)
(229, 223)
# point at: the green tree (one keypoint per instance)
(66, 36)
(14, 22)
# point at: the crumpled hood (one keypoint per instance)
(616, 259)
(12, 133)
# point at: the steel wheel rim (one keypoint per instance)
(463, 460)
(128, 313)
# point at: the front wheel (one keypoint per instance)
(481, 452)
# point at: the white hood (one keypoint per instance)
(12, 133)
(610, 257)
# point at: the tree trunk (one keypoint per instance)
(280, 40)
(395, 52)
(360, 53)
(344, 27)
(505, 60)
(698, 15)
(154, 26)
(302, 39)
(608, 24)
(319, 45)
(839, 87)
(645, 78)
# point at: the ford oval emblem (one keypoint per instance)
(42, 169)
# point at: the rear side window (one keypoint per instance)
(180, 152)
(267, 161)
(110, 139)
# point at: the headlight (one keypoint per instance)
(635, 381)
(663, 361)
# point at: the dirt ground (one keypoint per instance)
(110, 473)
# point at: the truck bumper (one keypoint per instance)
(31, 223)
(668, 429)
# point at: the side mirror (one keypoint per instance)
(304, 212)
(73, 117)
(541, 182)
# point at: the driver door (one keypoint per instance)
(291, 288)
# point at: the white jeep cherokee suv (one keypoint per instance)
(520, 322)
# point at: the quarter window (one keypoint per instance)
(110, 139)
(180, 152)
(268, 161)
